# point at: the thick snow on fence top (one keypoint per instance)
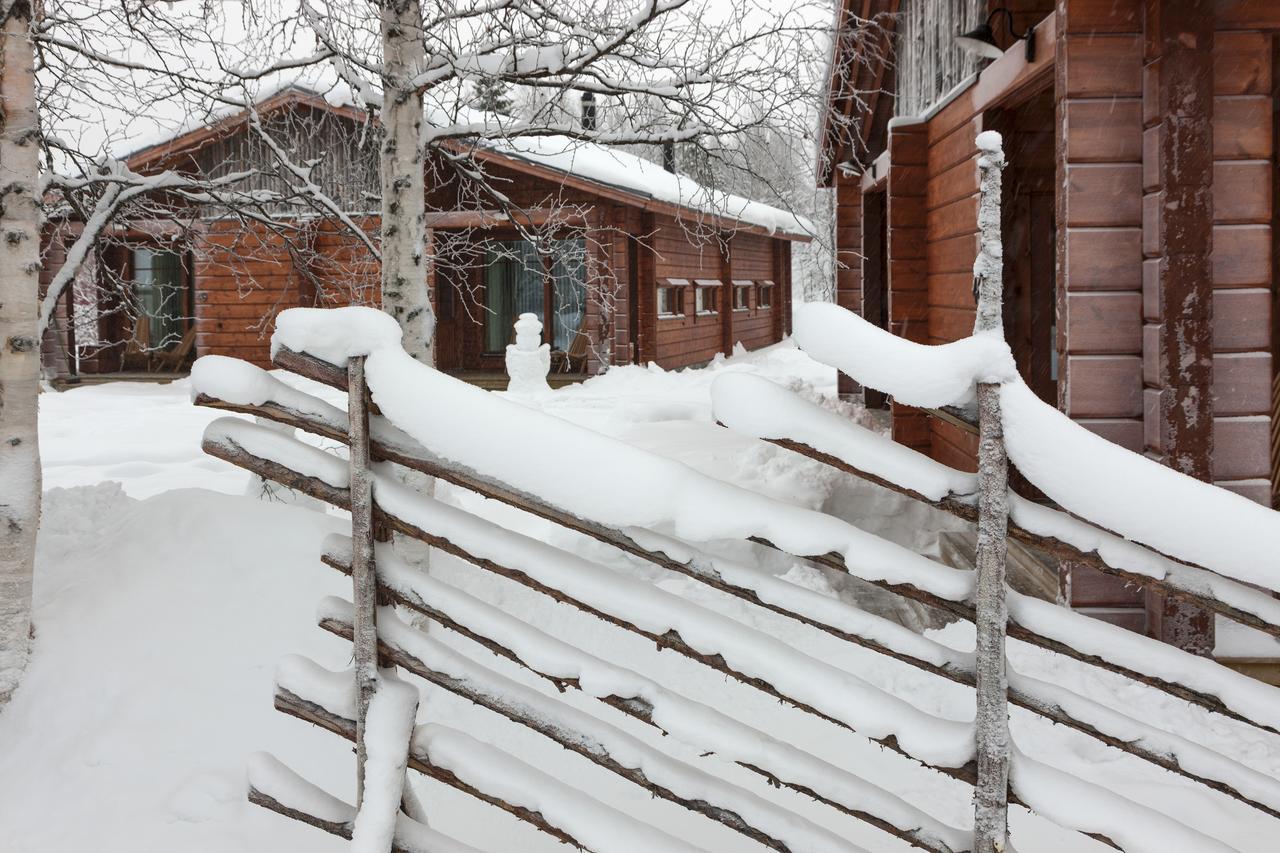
(334, 334)
(1137, 497)
(610, 482)
(755, 406)
(914, 374)
(758, 407)
(272, 777)
(491, 771)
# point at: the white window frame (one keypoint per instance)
(764, 294)
(706, 287)
(676, 287)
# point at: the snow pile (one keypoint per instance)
(1137, 497)
(335, 334)
(914, 374)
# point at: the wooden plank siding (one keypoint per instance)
(1242, 267)
(848, 252)
(906, 211)
(1098, 94)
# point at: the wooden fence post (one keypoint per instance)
(364, 584)
(991, 724)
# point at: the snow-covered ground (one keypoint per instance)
(165, 596)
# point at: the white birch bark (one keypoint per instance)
(990, 825)
(404, 263)
(363, 582)
(19, 342)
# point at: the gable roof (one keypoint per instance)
(859, 99)
(598, 169)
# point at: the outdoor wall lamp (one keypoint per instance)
(982, 38)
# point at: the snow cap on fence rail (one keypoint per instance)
(681, 778)
(281, 448)
(693, 723)
(754, 406)
(335, 334)
(914, 374)
(1137, 497)
(273, 778)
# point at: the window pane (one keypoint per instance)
(568, 291)
(513, 286)
(159, 287)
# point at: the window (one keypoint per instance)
(741, 295)
(671, 297)
(519, 279)
(764, 294)
(706, 299)
(159, 286)
(513, 285)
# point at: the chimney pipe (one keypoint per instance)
(669, 156)
(588, 111)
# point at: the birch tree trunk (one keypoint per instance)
(19, 343)
(404, 263)
(991, 792)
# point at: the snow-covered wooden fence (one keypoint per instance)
(430, 423)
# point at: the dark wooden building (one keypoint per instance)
(624, 262)
(1139, 219)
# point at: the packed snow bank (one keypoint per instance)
(914, 374)
(150, 679)
(763, 409)
(1137, 497)
(612, 483)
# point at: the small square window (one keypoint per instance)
(706, 300)
(764, 295)
(670, 301)
(741, 296)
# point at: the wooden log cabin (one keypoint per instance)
(1139, 223)
(623, 261)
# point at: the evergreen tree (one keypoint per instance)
(490, 94)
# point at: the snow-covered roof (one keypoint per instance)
(614, 167)
(603, 165)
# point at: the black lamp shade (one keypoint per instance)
(980, 40)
